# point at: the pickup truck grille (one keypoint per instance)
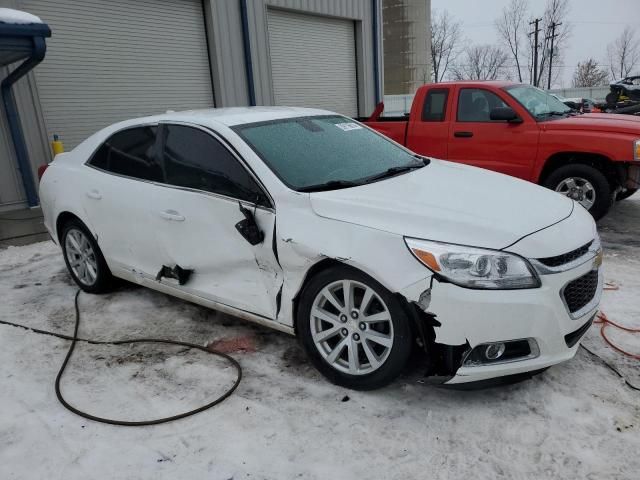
(580, 292)
(559, 260)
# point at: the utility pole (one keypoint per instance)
(535, 49)
(551, 37)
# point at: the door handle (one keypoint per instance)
(463, 134)
(172, 215)
(94, 194)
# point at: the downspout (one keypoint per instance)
(248, 64)
(13, 119)
(376, 53)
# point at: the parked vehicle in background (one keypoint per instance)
(624, 97)
(307, 222)
(626, 89)
(523, 131)
(584, 105)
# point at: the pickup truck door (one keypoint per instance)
(475, 139)
(428, 130)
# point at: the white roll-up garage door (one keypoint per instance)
(112, 60)
(313, 61)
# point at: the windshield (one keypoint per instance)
(539, 103)
(325, 152)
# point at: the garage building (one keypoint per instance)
(108, 61)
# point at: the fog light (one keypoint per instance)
(502, 352)
(494, 351)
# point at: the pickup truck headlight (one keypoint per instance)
(636, 150)
(472, 267)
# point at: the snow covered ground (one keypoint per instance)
(577, 420)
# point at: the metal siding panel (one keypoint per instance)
(104, 65)
(313, 61)
(227, 53)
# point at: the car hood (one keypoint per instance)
(599, 122)
(448, 202)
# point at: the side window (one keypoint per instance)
(475, 104)
(195, 159)
(435, 105)
(131, 152)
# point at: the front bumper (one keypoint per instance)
(475, 317)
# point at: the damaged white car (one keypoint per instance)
(311, 223)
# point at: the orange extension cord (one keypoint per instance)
(604, 321)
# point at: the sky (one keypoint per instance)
(594, 23)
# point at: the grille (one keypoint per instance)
(565, 257)
(580, 292)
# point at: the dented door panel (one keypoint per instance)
(226, 268)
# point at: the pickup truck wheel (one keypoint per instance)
(353, 329)
(584, 184)
(626, 193)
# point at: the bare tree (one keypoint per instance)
(445, 43)
(511, 27)
(588, 74)
(482, 62)
(624, 54)
(556, 13)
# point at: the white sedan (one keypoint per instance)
(310, 223)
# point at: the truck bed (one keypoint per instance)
(393, 127)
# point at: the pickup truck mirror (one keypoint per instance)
(505, 114)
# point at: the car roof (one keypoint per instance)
(229, 117)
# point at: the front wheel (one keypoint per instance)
(353, 329)
(584, 184)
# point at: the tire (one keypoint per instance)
(589, 182)
(375, 364)
(626, 193)
(84, 258)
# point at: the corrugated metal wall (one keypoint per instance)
(228, 51)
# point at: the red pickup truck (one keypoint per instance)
(522, 131)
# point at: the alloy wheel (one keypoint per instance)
(81, 257)
(351, 327)
(578, 189)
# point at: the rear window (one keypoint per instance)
(131, 153)
(435, 105)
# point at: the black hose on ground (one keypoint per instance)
(110, 421)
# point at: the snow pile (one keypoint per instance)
(9, 15)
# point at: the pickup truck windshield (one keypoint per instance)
(326, 152)
(539, 103)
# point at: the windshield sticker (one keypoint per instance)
(348, 126)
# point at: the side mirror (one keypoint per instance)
(506, 114)
(248, 227)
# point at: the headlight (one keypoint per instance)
(636, 150)
(474, 267)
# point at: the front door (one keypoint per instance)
(196, 217)
(475, 139)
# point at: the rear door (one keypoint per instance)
(429, 130)
(475, 139)
(195, 221)
(120, 187)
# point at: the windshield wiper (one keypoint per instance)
(390, 172)
(330, 185)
